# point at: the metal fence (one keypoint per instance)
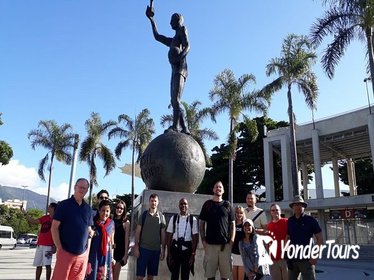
(351, 231)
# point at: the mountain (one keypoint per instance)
(34, 200)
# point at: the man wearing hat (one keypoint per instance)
(300, 231)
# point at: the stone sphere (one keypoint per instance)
(173, 161)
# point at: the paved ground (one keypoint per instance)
(17, 264)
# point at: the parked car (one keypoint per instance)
(33, 243)
(21, 241)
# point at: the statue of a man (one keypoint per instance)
(178, 50)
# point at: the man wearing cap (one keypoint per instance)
(301, 229)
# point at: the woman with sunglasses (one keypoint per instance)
(121, 237)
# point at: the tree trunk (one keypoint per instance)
(90, 193)
(92, 178)
(49, 183)
(231, 169)
(132, 186)
(295, 179)
(72, 170)
(369, 37)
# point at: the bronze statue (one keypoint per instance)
(178, 50)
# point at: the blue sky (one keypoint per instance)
(63, 59)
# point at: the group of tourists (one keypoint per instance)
(89, 243)
(232, 239)
(93, 244)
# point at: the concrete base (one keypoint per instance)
(169, 206)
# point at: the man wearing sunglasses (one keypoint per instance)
(101, 195)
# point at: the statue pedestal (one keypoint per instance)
(169, 206)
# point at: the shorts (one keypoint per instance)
(43, 255)
(215, 259)
(237, 260)
(147, 262)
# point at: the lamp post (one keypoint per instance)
(367, 91)
(23, 198)
(72, 171)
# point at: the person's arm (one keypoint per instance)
(195, 236)
(169, 239)
(163, 243)
(245, 258)
(31, 220)
(137, 240)
(202, 232)
(111, 247)
(232, 232)
(127, 241)
(56, 233)
(185, 42)
(319, 240)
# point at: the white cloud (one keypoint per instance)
(17, 175)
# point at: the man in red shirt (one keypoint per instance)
(45, 246)
(277, 229)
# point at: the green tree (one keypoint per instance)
(195, 116)
(294, 67)
(248, 165)
(58, 140)
(231, 95)
(344, 22)
(136, 135)
(6, 151)
(16, 219)
(93, 147)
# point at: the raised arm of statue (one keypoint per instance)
(161, 38)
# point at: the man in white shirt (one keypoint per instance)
(257, 215)
(182, 236)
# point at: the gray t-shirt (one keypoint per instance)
(151, 233)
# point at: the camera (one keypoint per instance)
(180, 242)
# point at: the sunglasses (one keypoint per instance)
(119, 208)
(103, 197)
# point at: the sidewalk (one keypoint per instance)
(17, 264)
(345, 270)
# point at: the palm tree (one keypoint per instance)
(93, 147)
(194, 117)
(137, 134)
(345, 21)
(294, 68)
(231, 95)
(58, 140)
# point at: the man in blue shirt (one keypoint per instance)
(71, 234)
(301, 229)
